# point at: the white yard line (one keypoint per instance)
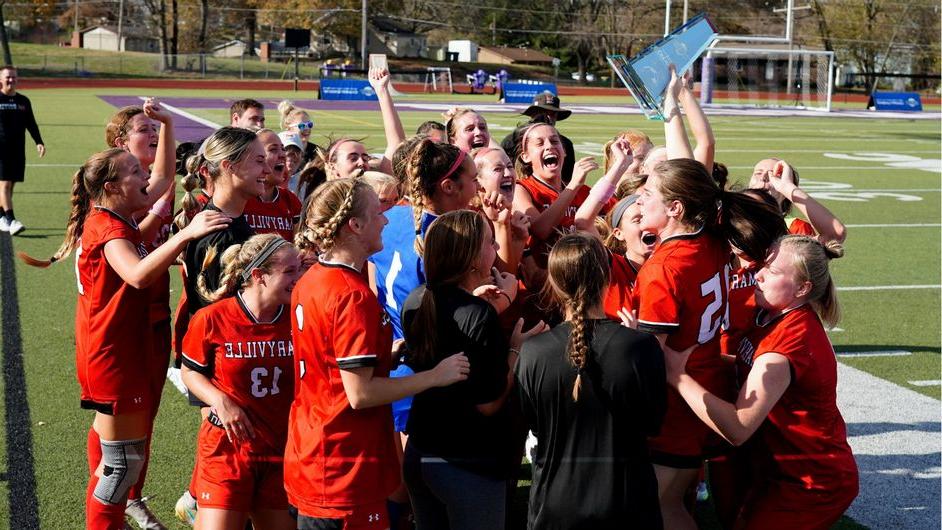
(874, 353)
(185, 114)
(887, 287)
(894, 433)
(897, 225)
(930, 382)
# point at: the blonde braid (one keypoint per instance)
(325, 234)
(228, 279)
(418, 207)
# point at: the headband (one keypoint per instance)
(526, 133)
(334, 147)
(455, 165)
(260, 258)
(619, 211)
(483, 151)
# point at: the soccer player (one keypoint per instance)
(781, 180)
(461, 449)
(466, 129)
(114, 273)
(681, 292)
(247, 114)
(545, 109)
(16, 117)
(238, 358)
(790, 390)
(298, 121)
(277, 209)
(591, 390)
(340, 461)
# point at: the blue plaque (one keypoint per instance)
(647, 75)
(898, 101)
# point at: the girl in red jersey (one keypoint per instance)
(629, 247)
(340, 461)
(133, 129)
(276, 210)
(781, 180)
(792, 383)
(681, 292)
(238, 358)
(496, 195)
(114, 273)
(466, 129)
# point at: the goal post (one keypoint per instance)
(757, 76)
(438, 79)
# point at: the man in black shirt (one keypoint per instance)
(16, 117)
(545, 109)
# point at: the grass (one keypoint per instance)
(72, 124)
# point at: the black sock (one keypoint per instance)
(2, 212)
(9, 215)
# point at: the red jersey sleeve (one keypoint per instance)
(198, 351)
(790, 341)
(659, 300)
(800, 227)
(355, 331)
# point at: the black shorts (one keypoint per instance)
(12, 169)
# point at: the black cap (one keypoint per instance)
(547, 101)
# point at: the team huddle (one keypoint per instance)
(377, 341)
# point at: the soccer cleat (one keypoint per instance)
(141, 514)
(16, 227)
(703, 494)
(4, 224)
(186, 508)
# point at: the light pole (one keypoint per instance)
(363, 52)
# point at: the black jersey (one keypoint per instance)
(445, 421)
(592, 469)
(236, 233)
(16, 117)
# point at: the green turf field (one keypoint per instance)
(892, 211)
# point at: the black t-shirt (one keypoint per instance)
(16, 117)
(511, 146)
(592, 468)
(236, 233)
(445, 421)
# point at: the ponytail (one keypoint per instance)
(88, 185)
(427, 165)
(577, 349)
(812, 261)
(237, 262)
(190, 182)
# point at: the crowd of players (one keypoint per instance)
(369, 339)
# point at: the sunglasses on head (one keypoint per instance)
(304, 125)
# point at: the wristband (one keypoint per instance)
(602, 191)
(507, 296)
(514, 350)
(162, 208)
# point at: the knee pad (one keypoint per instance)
(122, 461)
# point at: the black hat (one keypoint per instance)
(547, 101)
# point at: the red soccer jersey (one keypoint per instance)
(620, 292)
(337, 456)
(252, 362)
(800, 227)
(111, 317)
(742, 308)
(805, 433)
(275, 217)
(543, 195)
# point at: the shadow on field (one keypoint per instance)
(901, 490)
(853, 348)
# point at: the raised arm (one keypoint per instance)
(828, 227)
(162, 173)
(542, 224)
(392, 125)
(699, 125)
(675, 137)
(603, 190)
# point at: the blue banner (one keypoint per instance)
(526, 92)
(898, 101)
(349, 89)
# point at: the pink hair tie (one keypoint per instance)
(455, 165)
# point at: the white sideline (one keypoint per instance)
(887, 287)
(873, 353)
(931, 382)
(894, 433)
(900, 225)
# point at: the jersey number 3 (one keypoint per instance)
(260, 388)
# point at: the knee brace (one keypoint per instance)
(122, 461)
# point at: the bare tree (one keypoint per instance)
(4, 40)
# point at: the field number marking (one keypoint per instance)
(932, 165)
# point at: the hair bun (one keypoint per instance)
(833, 249)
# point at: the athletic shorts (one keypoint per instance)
(785, 505)
(363, 517)
(116, 391)
(232, 479)
(12, 169)
(158, 360)
(685, 441)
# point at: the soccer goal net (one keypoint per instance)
(768, 77)
(438, 79)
